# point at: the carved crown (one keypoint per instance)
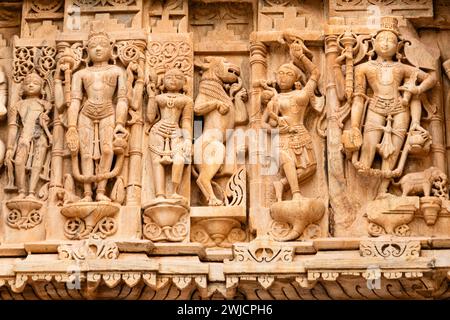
(97, 31)
(389, 24)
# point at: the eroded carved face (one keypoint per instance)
(174, 81)
(99, 49)
(286, 78)
(386, 44)
(32, 85)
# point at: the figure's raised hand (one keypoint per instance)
(151, 89)
(296, 50)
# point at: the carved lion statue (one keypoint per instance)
(421, 182)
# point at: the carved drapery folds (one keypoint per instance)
(241, 140)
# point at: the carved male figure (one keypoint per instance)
(171, 136)
(389, 115)
(28, 122)
(94, 120)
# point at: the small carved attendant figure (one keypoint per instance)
(170, 144)
(286, 111)
(29, 122)
(95, 122)
(389, 115)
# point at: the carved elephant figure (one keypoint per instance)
(421, 182)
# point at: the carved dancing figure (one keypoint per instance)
(286, 112)
(28, 136)
(386, 117)
(171, 135)
(95, 121)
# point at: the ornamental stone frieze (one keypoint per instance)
(252, 149)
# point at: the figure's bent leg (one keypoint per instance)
(40, 151)
(213, 158)
(20, 166)
(290, 171)
(86, 133)
(106, 130)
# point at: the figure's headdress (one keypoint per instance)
(389, 24)
(174, 71)
(33, 75)
(294, 68)
(97, 32)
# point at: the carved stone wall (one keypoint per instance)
(256, 149)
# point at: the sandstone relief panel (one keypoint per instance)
(224, 149)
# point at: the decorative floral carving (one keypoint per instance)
(236, 188)
(175, 232)
(103, 2)
(162, 56)
(222, 232)
(93, 248)
(23, 214)
(44, 6)
(263, 250)
(390, 249)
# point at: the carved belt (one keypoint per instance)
(296, 141)
(97, 111)
(171, 134)
(386, 107)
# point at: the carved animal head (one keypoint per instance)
(219, 68)
(435, 174)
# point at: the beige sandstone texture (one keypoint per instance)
(220, 149)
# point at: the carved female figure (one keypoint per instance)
(389, 115)
(28, 134)
(171, 135)
(286, 112)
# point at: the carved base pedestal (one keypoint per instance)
(218, 226)
(166, 220)
(391, 215)
(23, 220)
(86, 218)
(294, 217)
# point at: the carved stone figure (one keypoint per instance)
(96, 124)
(285, 112)
(421, 182)
(28, 136)
(380, 122)
(222, 109)
(171, 135)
